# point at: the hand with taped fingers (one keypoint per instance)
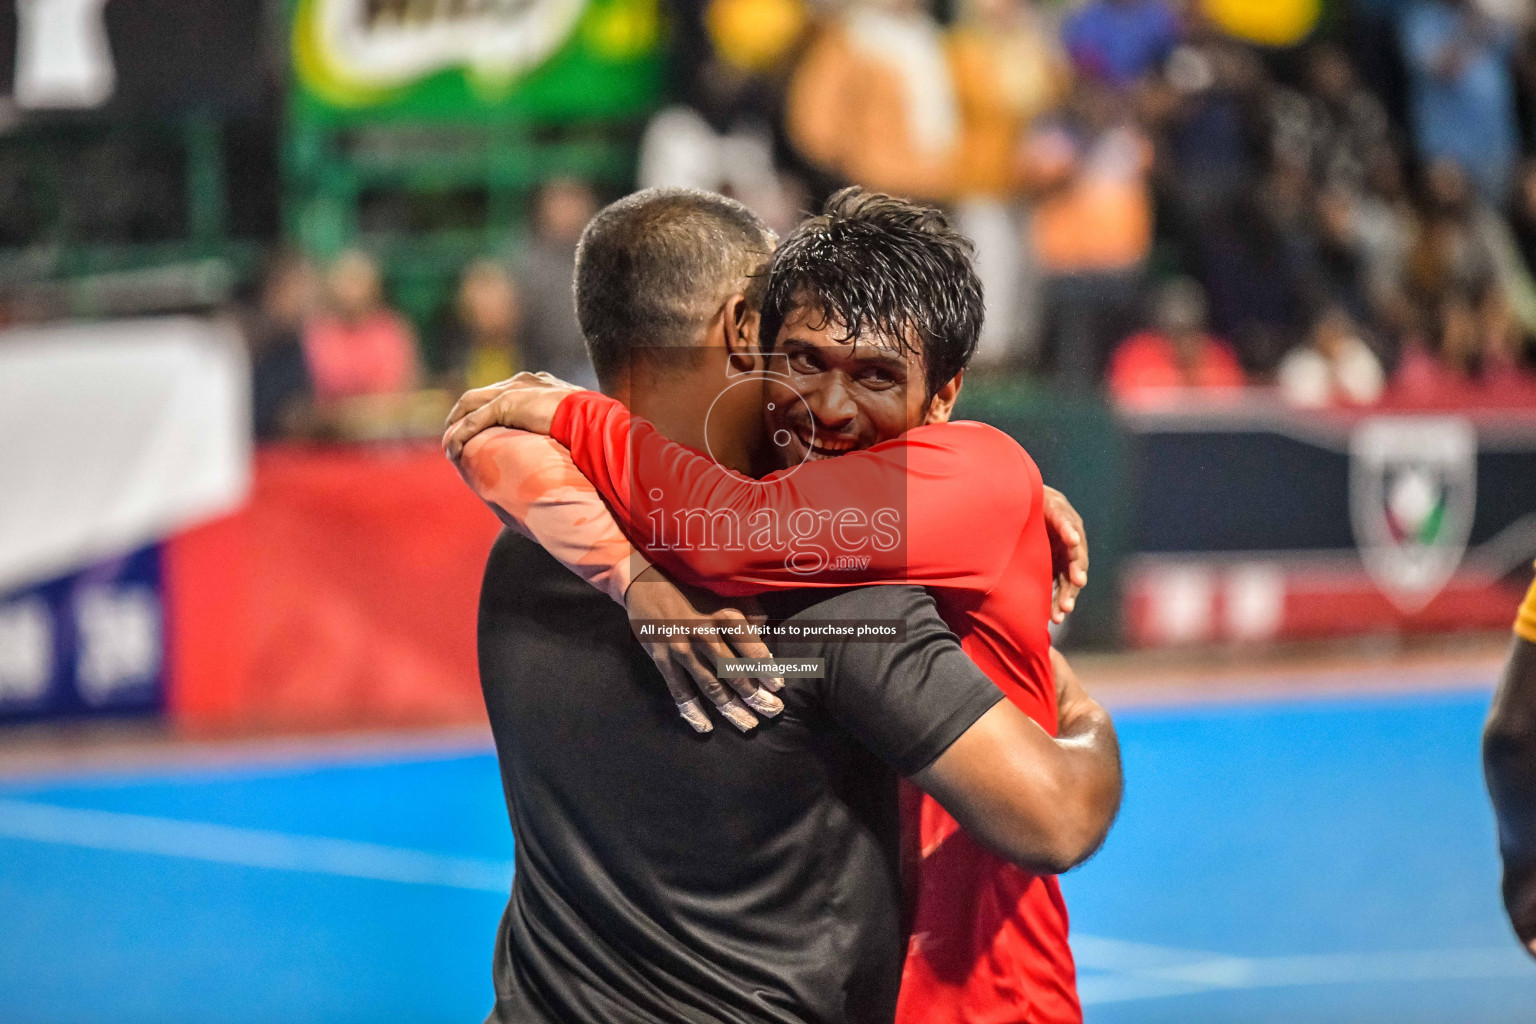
(524, 401)
(687, 662)
(1069, 552)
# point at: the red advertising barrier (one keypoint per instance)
(344, 594)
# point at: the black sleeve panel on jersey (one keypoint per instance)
(905, 700)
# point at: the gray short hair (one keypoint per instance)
(652, 268)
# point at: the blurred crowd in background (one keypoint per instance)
(1332, 204)
(1160, 196)
(331, 357)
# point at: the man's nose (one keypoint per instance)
(833, 405)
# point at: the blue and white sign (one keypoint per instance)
(91, 642)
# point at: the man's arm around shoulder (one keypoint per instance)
(924, 707)
(1044, 803)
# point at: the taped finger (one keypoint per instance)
(763, 702)
(737, 714)
(720, 651)
(688, 705)
(728, 705)
(692, 711)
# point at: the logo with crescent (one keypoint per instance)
(1412, 495)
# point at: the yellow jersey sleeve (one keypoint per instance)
(1525, 622)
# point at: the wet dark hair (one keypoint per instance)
(873, 262)
(653, 267)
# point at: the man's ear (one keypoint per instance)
(943, 401)
(739, 322)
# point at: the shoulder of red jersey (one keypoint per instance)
(998, 475)
(973, 440)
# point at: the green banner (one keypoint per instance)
(465, 60)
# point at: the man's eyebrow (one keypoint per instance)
(892, 359)
(863, 351)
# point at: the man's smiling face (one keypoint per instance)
(852, 393)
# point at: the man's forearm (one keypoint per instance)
(531, 484)
(1046, 803)
(1091, 762)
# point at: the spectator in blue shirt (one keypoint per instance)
(1119, 42)
(1461, 91)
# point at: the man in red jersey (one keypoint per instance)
(871, 312)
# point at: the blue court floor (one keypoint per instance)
(1319, 861)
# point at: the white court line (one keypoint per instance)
(247, 847)
(1139, 971)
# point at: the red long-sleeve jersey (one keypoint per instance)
(957, 508)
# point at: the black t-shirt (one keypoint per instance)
(664, 876)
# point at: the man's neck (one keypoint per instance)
(681, 405)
